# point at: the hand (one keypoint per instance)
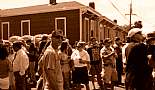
(21, 73)
(81, 61)
(149, 57)
(112, 53)
(73, 68)
(88, 67)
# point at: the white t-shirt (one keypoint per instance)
(21, 62)
(76, 55)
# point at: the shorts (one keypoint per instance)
(96, 68)
(80, 75)
(4, 83)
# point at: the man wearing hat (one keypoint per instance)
(108, 56)
(33, 60)
(95, 61)
(50, 63)
(20, 64)
(138, 72)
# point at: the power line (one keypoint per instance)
(144, 19)
(118, 10)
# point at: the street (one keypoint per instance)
(97, 86)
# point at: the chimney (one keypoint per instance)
(115, 21)
(52, 2)
(92, 5)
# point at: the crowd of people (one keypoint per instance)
(54, 64)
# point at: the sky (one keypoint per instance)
(144, 10)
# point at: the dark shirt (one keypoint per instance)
(42, 45)
(119, 62)
(4, 68)
(94, 54)
(137, 61)
(32, 53)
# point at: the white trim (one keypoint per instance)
(86, 19)
(8, 23)
(81, 12)
(23, 21)
(98, 28)
(64, 18)
(93, 27)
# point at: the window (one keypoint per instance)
(86, 32)
(5, 30)
(25, 27)
(60, 24)
(92, 33)
(108, 32)
(93, 28)
(101, 31)
(104, 31)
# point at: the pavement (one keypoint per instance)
(120, 87)
(97, 87)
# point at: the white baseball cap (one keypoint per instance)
(133, 31)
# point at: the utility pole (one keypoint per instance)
(130, 15)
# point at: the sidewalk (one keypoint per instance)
(97, 86)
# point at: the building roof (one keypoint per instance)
(113, 24)
(107, 19)
(45, 8)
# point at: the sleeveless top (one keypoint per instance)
(64, 62)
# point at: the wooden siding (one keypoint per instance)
(0, 31)
(45, 23)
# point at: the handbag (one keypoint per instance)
(114, 75)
